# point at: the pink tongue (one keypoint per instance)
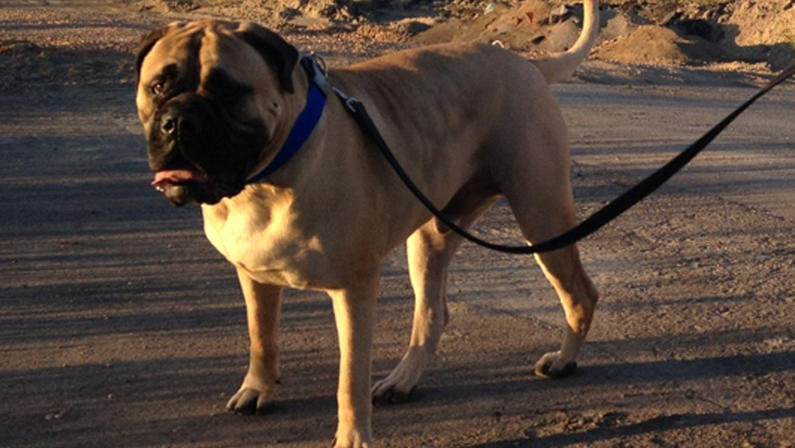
(163, 178)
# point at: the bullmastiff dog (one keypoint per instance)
(294, 195)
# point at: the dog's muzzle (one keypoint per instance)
(198, 153)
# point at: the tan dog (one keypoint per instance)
(469, 123)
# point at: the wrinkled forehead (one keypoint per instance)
(192, 51)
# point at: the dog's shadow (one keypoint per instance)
(652, 425)
(760, 364)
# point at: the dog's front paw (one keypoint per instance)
(392, 395)
(249, 401)
(353, 440)
(552, 365)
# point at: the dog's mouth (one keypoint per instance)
(165, 181)
(182, 186)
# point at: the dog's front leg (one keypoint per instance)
(354, 311)
(263, 307)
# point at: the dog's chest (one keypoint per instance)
(267, 243)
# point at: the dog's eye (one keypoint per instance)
(158, 88)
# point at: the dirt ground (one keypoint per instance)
(120, 326)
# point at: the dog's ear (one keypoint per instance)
(279, 54)
(144, 47)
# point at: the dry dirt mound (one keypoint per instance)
(693, 34)
(660, 33)
(760, 31)
(650, 44)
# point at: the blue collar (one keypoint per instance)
(304, 125)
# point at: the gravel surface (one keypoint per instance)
(120, 326)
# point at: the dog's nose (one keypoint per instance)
(180, 121)
(168, 125)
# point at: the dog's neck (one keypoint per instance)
(304, 124)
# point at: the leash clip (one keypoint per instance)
(320, 78)
(315, 65)
(349, 101)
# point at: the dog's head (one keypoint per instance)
(211, 97)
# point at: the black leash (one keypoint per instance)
(595, 221)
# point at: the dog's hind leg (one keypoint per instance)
(430, 250)
(549, 212)
(578, 296)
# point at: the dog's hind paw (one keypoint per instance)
(249, 401)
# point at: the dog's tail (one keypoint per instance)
(562, 65)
